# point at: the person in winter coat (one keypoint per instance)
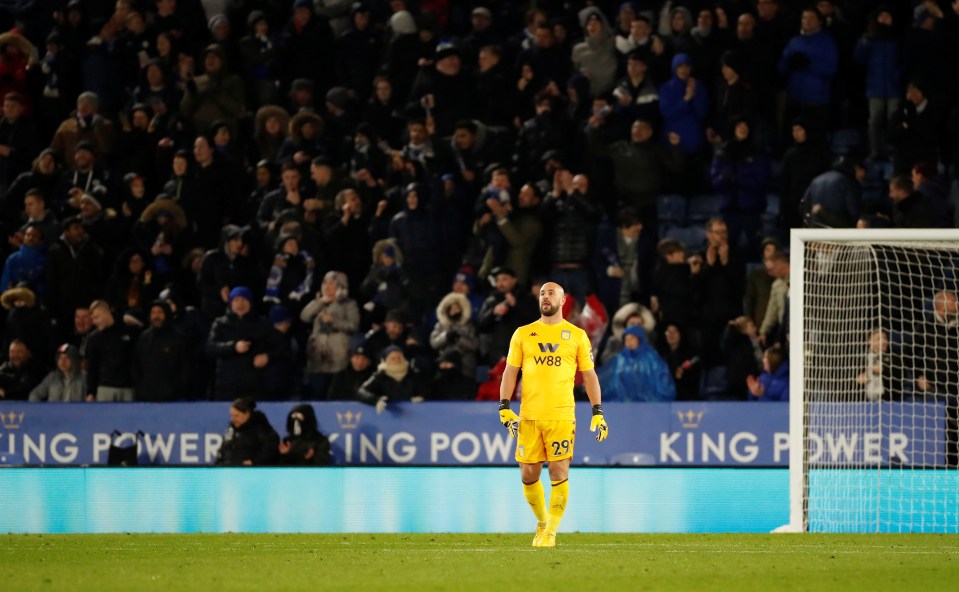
(73, 272)
(387, 285)
(595, 56)
(740, 173)
(684, 105)
(249, 440)
(270, 127)
(683, 361)
(131, 287)
(347, 382)
(879, 51)
(450, 382)
(834, 198)
(742, 355)
(335, 317)
(809, 64)
(283, 374)
(454, 331)
(241, 342)
(65, 384)
(162, 359)
(773, 383)
(806, 159)
(215, 95)
(629, 315)
(84, 125)
(416, 234)
(26, 265)
(291, 275)
(304, 444)
(109, 357)
(637, 373)
(393, 381)
(222, 270)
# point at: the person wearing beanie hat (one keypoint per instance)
(243, 344)
(394, 381)
(162, 359)
(214, 95)
(347, 382)
(334, 317)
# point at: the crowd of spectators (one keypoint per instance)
(318, 199)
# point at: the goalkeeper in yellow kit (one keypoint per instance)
(549, 352)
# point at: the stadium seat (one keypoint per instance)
(692, 237)
(702, 208)
(845, 141)
(715, 385)
(772, 205)
(671, 210)
(633, 459)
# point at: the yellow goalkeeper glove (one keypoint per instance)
(599, 422)
(509, 419)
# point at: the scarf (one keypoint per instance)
(397, 371)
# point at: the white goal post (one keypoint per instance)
(874, 380)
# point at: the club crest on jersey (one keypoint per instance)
(564, 335)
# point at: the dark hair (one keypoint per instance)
(628, 216)
(925, 170)
(244, 404)
(35, 192)
(467, 124)
(776, 358)
(902, 182)
(289, 165)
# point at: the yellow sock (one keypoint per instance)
(557, 503)
(536, 496)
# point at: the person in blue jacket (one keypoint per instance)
(684, 105)
(809, 64)
(773, 383)
(637, 373)
(879, 51)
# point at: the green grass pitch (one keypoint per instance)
(360, 562)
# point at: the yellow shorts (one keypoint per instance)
(545, 440)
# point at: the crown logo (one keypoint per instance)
(11, 420)
(690, 419)
(349, 420)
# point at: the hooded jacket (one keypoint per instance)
(685, 118)
(456, 335)
(328, 346)
(25, 265)
(596, 55)
(812, 84)
(637, 374)
(303, 436)
(59, 387)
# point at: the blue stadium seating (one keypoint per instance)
(692, 237)
(845, 141)
(702, 208)
(671, 210)
(714, 384)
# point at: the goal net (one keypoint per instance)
(874, 381)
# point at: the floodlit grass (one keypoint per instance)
(264, 563)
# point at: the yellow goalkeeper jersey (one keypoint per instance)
(549, 356)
